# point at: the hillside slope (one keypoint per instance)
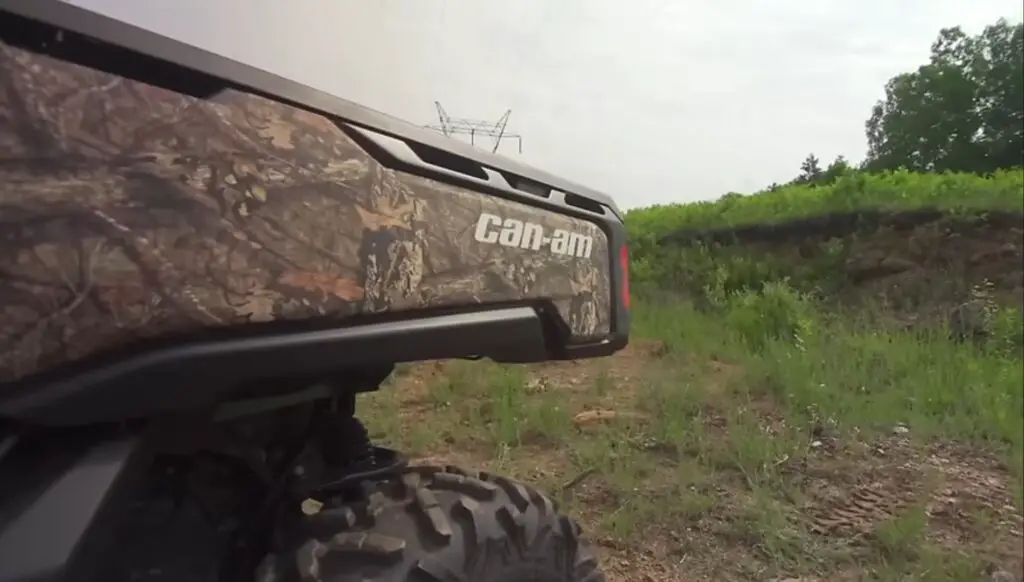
(921, 243)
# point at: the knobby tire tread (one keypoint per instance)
(439, 524)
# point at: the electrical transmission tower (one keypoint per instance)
(473, 127)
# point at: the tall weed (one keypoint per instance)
(775, 313)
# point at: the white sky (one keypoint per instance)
(649, 100)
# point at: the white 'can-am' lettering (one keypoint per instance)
(515, 233)
(482, 224)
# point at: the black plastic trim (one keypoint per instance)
(61, 494)
(250, 79)
(447, 160)
(449, 168)
(584, 203)
(199, 374)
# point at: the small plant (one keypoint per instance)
(900, 538)
(982, 320)
(1007, 334)
(777, 312)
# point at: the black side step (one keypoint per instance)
(189, 376)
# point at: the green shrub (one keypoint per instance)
(776, 312)
(1007, 331)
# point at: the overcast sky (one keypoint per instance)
(651, 101)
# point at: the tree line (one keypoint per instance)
(963, 111)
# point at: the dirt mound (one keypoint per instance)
(922, 260)
(935, 264)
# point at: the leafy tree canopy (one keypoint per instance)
(963, 111)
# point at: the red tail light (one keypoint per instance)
(624, 269)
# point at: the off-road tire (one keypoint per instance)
(439, 525)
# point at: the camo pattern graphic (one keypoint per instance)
(128, 211)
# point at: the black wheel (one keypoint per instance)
(439, 525)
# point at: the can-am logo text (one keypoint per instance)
(509, 232)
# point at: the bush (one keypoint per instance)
(776, 312)
(1007, 331)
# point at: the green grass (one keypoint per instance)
(858, 376)
(956, 193)
(713, 447)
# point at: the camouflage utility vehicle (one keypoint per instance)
(201, 266)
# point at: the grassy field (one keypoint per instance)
(757, 431)
(954, 193)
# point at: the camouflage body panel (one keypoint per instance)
(128, 211)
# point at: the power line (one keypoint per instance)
(450, 126)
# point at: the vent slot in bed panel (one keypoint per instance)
(583, 203)
(447, 160)
(409, 155)
(524, 185)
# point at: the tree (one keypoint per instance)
(963, 111)
(837, 169)
(812, 174)
(810, 171)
